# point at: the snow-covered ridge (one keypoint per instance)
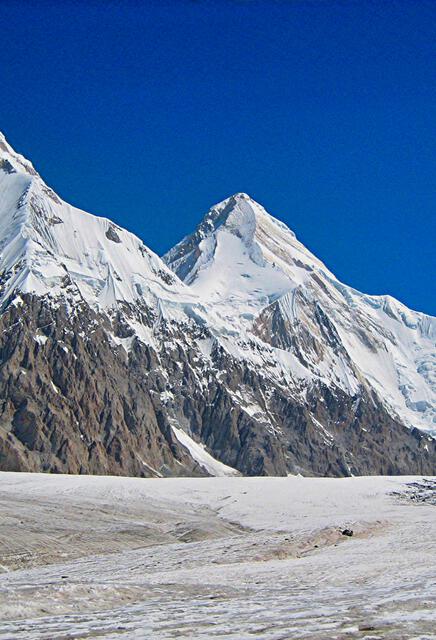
(48, 246)
(250, 266)
(243, 275)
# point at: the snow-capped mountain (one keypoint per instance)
(258, 276)
(238, 353)
(48, 246)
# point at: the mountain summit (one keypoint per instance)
(228, 260)
(239, 352)
(240, 252)
(257, 275)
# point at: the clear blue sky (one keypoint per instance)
(323, 110)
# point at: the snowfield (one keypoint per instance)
(229, 557)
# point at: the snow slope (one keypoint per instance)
(50, 248)
(200, 455)
(250, 267)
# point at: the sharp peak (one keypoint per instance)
(19, 162)
(6, 146)
(239, 205)
(236, 211)
(239, 215)
(240, 195)
(235, 199)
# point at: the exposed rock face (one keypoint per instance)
(110, 364)
(73, 401)
(79, 404)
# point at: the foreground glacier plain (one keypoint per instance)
(105, 557)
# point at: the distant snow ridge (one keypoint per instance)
(253, 356)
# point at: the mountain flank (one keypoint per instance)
(238, 352)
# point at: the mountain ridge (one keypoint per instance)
(257, 360)
(277, 269)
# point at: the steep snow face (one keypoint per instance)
(257, 277)
(241, 258)
(50, 248)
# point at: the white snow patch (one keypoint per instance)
(199, 454)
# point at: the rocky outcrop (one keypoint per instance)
(75, 402)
